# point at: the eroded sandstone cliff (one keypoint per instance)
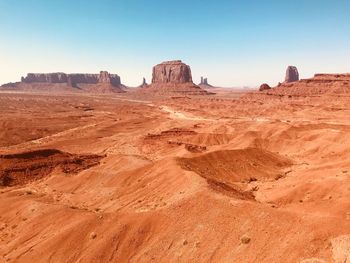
(72, 79)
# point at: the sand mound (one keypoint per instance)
(22, 168)
(191, 137)
(234, 166)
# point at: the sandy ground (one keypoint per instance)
(191, 179)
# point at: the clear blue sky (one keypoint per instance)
(233, 43)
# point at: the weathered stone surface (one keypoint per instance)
(292, 74)
(106, 77)
(72, 79)
(144, 83)
(318, 85)
(173, 77)
(264, 87)
(174, 72)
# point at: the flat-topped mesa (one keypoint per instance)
(173, 77)
(58, 77)
(172, 72)
(72, 79)
(292, 74)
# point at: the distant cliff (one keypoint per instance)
(72, 79)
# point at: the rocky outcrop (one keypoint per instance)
(106, 77)
(174, 72)
(75, 79)
(144, 83)
(292, 74)
(264, 87)
(331, 77)
(173, 77)
(318, 85)
(72, 79)
(204, 81)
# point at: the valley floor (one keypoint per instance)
(219, 178)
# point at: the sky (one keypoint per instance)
(234, 43)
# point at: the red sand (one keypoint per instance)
(268, 181)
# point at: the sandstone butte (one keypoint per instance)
(292, 74)
(173, 77)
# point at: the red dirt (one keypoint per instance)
(23, 168)
(272, 184)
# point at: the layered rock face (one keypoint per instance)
(58, 77)
(106, 77)
(173, 77)
(72, 79)
(292, 74)
(318, 85)
(174, 72)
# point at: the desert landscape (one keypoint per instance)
(171, 172)
(174, 131)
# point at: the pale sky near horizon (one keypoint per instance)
(232, 43)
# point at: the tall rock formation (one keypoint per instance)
(173, 77)
(144, 83)
(204, 81)
(292, 74)
(174, 72)
(106, 77)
